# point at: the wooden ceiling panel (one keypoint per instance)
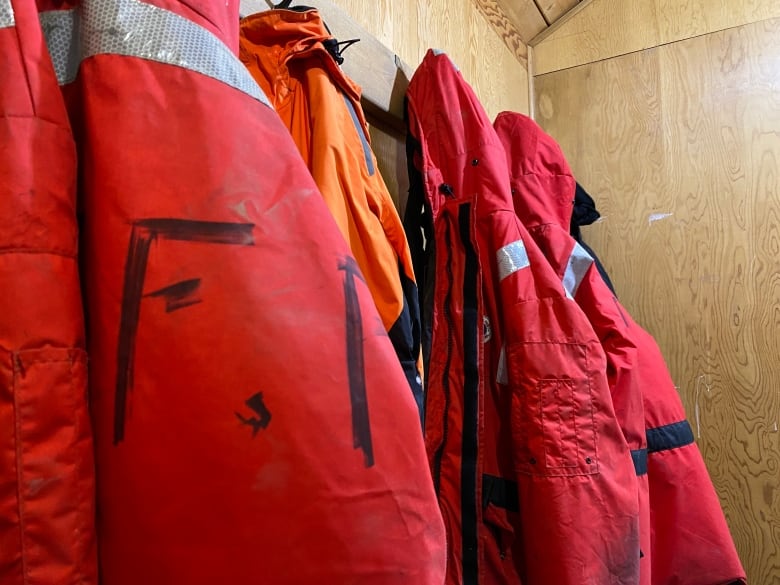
(552, 10)
(525, 16)
(520, 21)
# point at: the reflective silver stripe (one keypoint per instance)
(363, 140)
(439, 52)
(577, 267)
(137, 29)
(511, 258)
(6, 14)
(60, 29)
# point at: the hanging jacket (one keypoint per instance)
(295, 60)
(533, 474)
(685, 539)
(47, 510)
(252, 424)
(543, 193)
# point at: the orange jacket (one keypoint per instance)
(287, 53)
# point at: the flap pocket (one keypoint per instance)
(553, 428)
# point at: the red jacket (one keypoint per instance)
(252, 422)
(47, 511)
(681, 499)
(534, 477)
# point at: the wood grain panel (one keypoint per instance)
(681, 20)
(459, 28)
(552, 10)
(494, 73)
(512, 37)
(608, 28)
(525, 16)
(680, 146)
(604, 28)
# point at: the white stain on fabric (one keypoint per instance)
(654, 217)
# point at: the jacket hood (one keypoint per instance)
(289, 34)
(446, 115)
(542, 183)
(288, 30)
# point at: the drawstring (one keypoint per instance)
(336, 48)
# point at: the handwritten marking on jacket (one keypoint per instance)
(143, 233)
(178, 296)
(263, 418)
(361, 426)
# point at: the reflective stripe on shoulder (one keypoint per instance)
(367, 154)
(439, 52)
(6, 14)
(60, 29)
(576, 268)
(137, 29)
(511, 258)
(667, 437)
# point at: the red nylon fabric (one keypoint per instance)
(265, 433)
(47, 532)
(551, 432)
(685, 538)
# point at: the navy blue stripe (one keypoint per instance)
(468, 478)
(639, 457)
(671, 436)
(363, 140)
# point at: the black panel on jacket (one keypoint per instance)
(585, 213)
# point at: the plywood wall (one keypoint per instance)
(680, 145)
(609, 28)
(410, 28)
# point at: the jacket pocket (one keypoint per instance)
(552, 420)
(49, 467)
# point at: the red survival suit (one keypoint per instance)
(533, 474)
(252, 422)
(685, 539)
(47, 511)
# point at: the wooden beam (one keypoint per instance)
(380, 73)
(579, 7)
(513, 32)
